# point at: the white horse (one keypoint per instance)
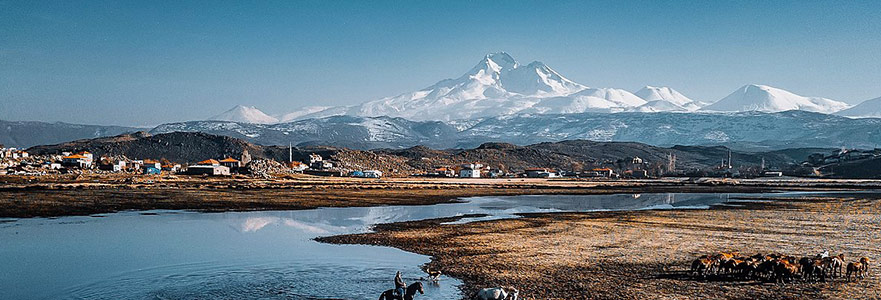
(497, 293)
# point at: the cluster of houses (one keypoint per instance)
(13, 161)
(16, 161)
(320, 167)
(479, 170)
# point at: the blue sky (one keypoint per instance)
(149, 62)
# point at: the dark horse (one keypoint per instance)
(408, 295)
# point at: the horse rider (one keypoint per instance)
(400, 286)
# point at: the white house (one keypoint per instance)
(208, 170)
(470, 170)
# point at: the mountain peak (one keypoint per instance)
(501, 58)
(494, 63)
(245, 114)
(764, 98)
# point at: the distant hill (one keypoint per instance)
(23, 134)
(190, 147)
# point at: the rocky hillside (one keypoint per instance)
(177, 146)
(576, 154)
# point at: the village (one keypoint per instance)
(19, 162)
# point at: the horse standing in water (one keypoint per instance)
(408, 294)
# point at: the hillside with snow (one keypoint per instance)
(866, 109)
(245, 114)
(764, 98)
(665, 99)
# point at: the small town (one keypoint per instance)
(19, 162)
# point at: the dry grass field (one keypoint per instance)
(645, 254)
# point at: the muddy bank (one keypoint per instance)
(643, 254)
(81, 195)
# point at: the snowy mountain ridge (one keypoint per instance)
(499, 85)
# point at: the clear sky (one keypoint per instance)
(149, 62)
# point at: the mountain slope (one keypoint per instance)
(23, 134)
(245, 114)
(868, 108)
(769, 99)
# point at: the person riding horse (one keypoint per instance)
(408, 294)
(399, 285)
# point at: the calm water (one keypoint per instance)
(254, 255)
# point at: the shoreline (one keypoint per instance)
(642, 254)
(83, 195)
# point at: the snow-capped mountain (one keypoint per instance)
(245, 114)
(499, 85)
(769, 99)
(866, 109)
(665, 99)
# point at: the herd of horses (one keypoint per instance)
(779, 267)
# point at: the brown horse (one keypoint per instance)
(855, 269)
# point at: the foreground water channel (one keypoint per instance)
(252, 255)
